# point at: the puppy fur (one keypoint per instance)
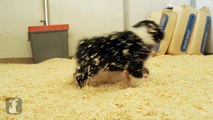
(119, 51)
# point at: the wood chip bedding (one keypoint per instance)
(178, 87)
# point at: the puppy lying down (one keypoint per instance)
(117, 56)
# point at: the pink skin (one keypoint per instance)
(113, 77)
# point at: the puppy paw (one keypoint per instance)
(145, 72)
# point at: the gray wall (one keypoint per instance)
(86, 18)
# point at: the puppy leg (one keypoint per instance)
(135, 68)
(126, 74)
(80, 78)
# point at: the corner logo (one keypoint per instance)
(13, 106)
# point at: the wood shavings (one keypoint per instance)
(178, 87)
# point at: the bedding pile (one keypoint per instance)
(178, 87)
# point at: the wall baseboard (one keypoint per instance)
(17, 60)
(20, 60)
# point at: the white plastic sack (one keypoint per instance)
(200, 34)
(186, 16)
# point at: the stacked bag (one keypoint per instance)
(186, 30)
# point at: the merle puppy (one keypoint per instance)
(120, 51)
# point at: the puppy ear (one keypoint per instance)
(147, 23)
(140, 24)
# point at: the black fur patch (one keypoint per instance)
(116, 52)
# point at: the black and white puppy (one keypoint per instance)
(119, 51)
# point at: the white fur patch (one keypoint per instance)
(142, 32)
(125, 52)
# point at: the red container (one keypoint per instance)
(48, 28)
